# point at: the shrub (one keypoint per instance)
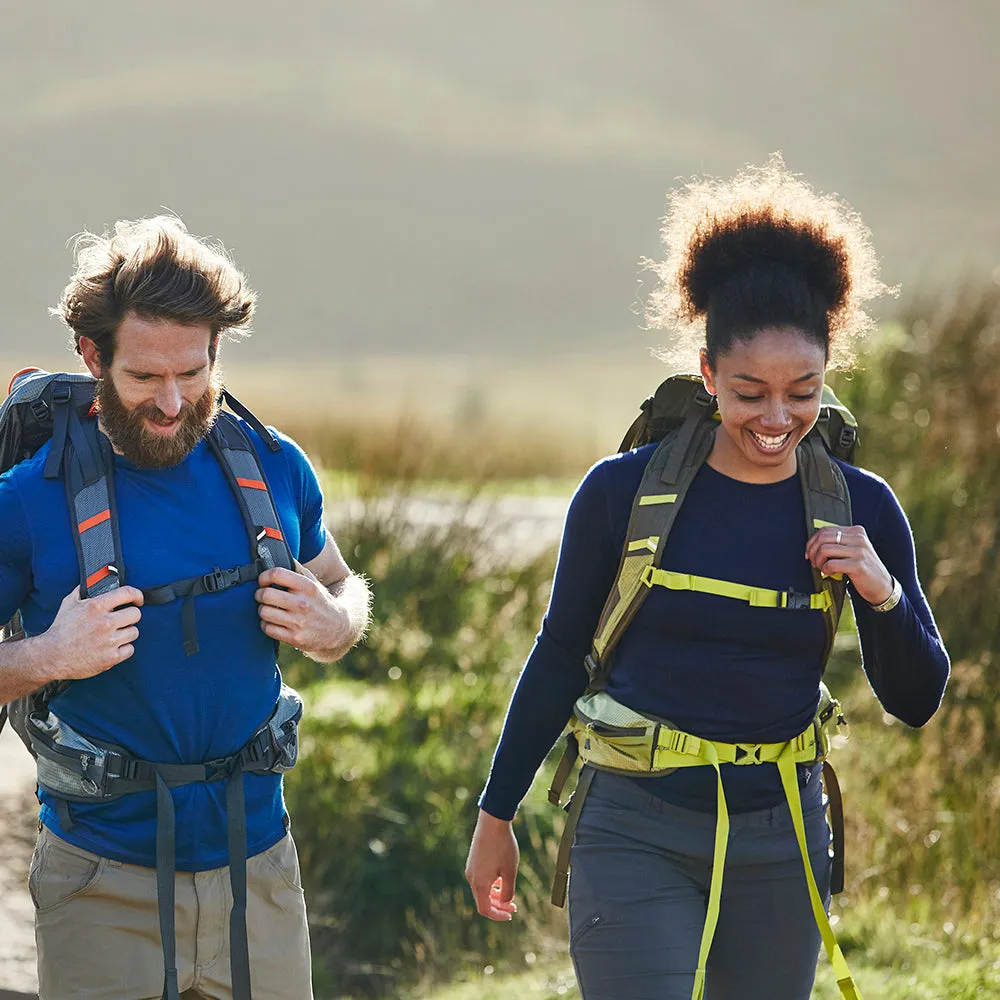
(395, 748)
(928, 404)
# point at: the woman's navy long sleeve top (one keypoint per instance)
(714, 666)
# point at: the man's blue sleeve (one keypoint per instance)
(308, 498)
(15, 550)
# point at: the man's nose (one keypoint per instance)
(169, 400)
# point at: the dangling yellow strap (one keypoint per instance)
(708, 753)
(789, 779)
(757, 597)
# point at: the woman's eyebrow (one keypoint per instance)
(761, 381)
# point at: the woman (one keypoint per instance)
(770, 280)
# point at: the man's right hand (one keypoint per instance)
(89, 636)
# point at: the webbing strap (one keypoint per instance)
(573, 810)
(836, 805)
(789, 780)
(718, 867)
(564, 769)
(165, 873)
(756, 597)
(239, 947)
(60, 429)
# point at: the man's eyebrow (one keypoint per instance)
(761, 381)
(190, 371)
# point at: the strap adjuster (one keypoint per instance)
(220, 579)
(792, 600)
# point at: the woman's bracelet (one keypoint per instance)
(892, 600)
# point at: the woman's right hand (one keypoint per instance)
(491, 870)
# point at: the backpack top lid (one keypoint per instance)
(28, 414)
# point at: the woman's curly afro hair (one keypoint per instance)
(762, 250)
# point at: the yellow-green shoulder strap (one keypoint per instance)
(827, 501)
(664, 485)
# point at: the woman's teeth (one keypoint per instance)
(769, 443)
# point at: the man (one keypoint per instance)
(147, 308)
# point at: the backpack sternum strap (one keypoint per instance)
(756, 597)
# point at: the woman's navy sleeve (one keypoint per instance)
(901, 649)
(554, 675)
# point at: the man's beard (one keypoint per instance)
(129, 435)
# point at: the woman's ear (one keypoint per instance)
(706, 371)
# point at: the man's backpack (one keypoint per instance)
(42, 406)
(73, 767)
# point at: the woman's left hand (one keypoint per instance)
(848, 550)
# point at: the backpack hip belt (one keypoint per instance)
(608, 736)
(75, 768)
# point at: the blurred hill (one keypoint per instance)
(425, 176)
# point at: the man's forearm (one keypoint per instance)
(353, 599)
(24, 667)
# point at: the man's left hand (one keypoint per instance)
(303, 613)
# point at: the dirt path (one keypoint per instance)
(17, 835)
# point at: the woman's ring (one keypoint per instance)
(839, 534)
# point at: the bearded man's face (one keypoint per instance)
(160, 395)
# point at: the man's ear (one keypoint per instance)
(706, 371)
(91, 357)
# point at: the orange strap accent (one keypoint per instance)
(105, 515)
(17, 375)
(274, 533)
(98, 576)
(252, 484)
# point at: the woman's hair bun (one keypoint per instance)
(716, 230)
(732, 246)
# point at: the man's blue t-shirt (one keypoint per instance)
(160, 704)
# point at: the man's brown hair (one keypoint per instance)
(156, 269)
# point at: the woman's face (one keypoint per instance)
(768, 389)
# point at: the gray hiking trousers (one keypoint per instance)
(638, 893)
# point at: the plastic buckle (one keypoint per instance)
(792, 600)
(40, 410)
(61, 393)
(748, 753)
(848, 435)
(118, 766)
(647, 576)
(220, 579)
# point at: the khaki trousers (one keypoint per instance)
(98, 933)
